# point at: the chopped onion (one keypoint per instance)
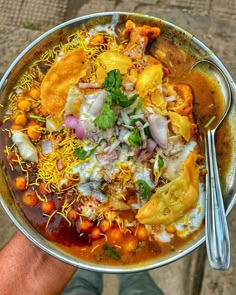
(99, 196)
(137, 152)
(170, 98)
(104, 158)
(90, 97)
(112, 147)
(18, 90)
(108, 133)
(97, 105)
(125, 118)
(123, 133)
(8, 112)
(71, 121)
(128, 127)
(93, 85)
(151, 145)
(159, 129)
(142, 134)
(129, 86)
(26, 149)
(128, 110)
(85, 189)
(80, 132)
(139, 125)
(145, 125)
(136, 205)
(46, 146)
(138, 116)
(60, 165)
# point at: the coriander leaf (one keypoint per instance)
(139, 104)
(81, 154)
(129, 158)
(111, 252)
(118, 97)
(160, 162)
(113, 80)
(135, 139)
(144, 189)
(106, 118)
(112, 84)
(146, 130)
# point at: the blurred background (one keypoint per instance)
(214, 23)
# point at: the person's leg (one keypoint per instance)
(138, 284)
(84, 282)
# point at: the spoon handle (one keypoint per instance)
(217, 234)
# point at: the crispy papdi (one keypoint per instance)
(171, 201)
(138, 38)
(60, 77)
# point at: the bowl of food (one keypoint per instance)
(102, 157)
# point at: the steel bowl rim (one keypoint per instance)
(41, 241)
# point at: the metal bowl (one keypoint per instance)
(59, 34)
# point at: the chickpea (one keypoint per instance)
(16, 127)
(73, 215)
(34, 132)
(130, 244)
(48, 206)
(170, 228)
(43, 189)
(21, 183)
(85, 225)
(34, 93)
(114, 235)
(95, 233)
(105, 225)
(20, 119)
(29, 198)
(32, 122)
(24, 105)
(141, 233)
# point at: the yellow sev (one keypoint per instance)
(48, 58)
(48, 164)
(125, 173)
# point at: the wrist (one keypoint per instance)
(30, 270)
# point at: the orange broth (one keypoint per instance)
(207, 103)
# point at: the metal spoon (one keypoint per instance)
(216, 227)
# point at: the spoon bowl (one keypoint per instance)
(216, 227)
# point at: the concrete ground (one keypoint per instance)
(214, 22)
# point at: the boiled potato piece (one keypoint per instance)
(60, 77)
(149, 80)
(26, 149)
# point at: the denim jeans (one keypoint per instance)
(90, 283)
